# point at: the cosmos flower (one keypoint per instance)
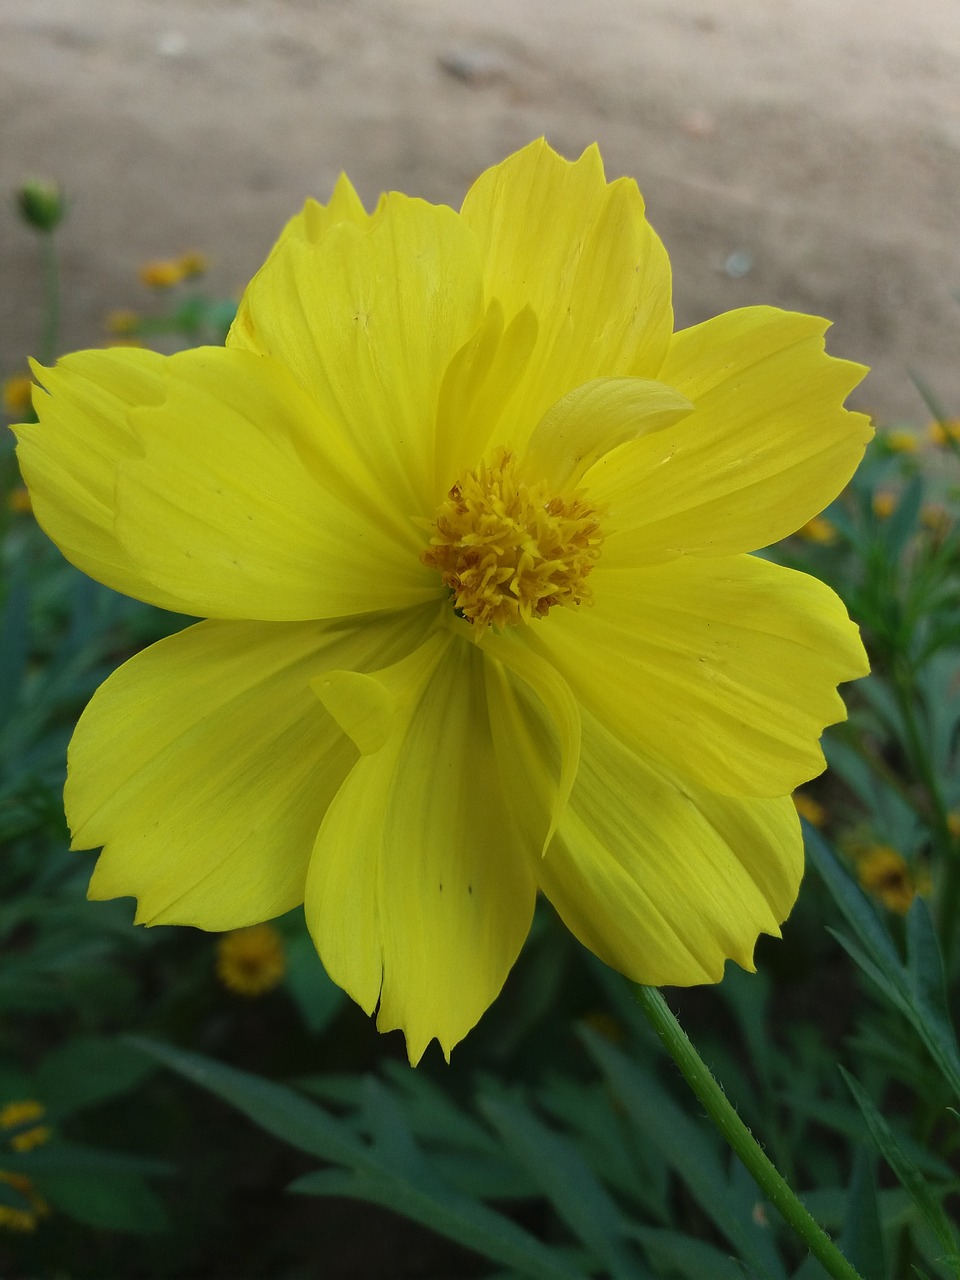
(22, 1206)
(251, 961)
(470, 525)
(886, 874)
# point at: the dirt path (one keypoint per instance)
(805, 153)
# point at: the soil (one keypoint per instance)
(804, 153)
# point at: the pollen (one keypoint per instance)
(510, 550)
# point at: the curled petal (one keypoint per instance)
(556, 237)
(69, 458)
(767, 446)
(367, 317)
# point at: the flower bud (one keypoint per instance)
(41, 204)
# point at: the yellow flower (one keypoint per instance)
(18, 501)
(886, 874)
(808, 808)
(936, 517)
(23, 1216)
(161, 274)
(17, 392)
(819, 529)
(251, 961)
(941, 432)
(953, 823)
(884, 504)
(122, 322)
(470, 524)
(193, 264)
(15, 1115)
(901, 441)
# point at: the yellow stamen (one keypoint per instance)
(510, 550)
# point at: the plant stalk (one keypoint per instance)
(50, 333)
(735, 1132)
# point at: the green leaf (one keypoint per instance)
(11, 1198)
(14, 641)
(88, 1070)
(915, 989)
(567, 1181)
(902, 524)
(318, 999)
(76, 1158)
(274, 1108)
(862, 1239)
(392, 1172)
(909, 1175)
(468, 1222)
(112, 1203)
(674, 1254)
(925, 973)
(682, 1144)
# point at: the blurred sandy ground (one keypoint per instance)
(799, 152)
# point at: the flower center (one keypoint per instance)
(508, 550)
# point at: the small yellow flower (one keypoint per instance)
(808, 808)
(605, 1025)
(17, 394)
(935, 517)
(901, 441)
(940, 433)
(884, 504)
(15, 1114)
(122, 321)
(472, 530)
(193, 264)
(819, 529)
(18, 501)
(161, 273)
(22, 1218)
(886, 874)
(953, 823)
(251, 961)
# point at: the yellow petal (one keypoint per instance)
(308, 226)
(69, 458)
(661, 879)
(476, 390)
(204, 766)
(767, 446)
(593, 419)
(557, 238)
(367, 318)
(420, 892)
(523, 743)
(725, 670)
(242, 505)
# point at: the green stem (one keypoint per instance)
(50, 334)
(736, 1133)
